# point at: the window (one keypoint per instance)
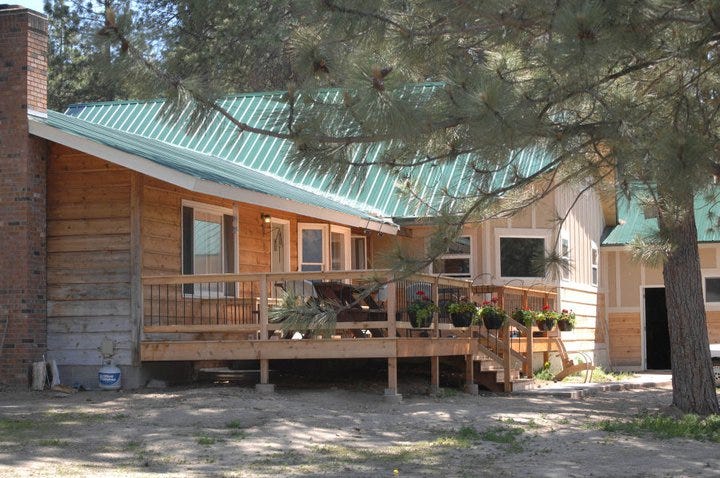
(712, 289)
(322, 247)
(594, 253)
(359, 252)
(565, 254)
(522, 257)
(456, 262)
(208, 245)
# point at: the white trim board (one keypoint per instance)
(186, 181)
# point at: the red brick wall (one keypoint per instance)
(23, 86)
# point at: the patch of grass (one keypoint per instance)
(54, 442)
(599, 375)
(663, 427)
(463, 438)
(544, 373)
(501, 434)
(9, 425)
(447, 392)
(206, 440)
(235, 424)
(238, 435)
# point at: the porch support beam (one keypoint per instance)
(470, 386)
(434, 374)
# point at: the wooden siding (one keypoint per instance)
(88, 242)
(588, 336)
(625, 347)
(583, 226)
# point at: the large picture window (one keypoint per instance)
(712, 289)
(208, 245)
(522, 256)
(456, 262)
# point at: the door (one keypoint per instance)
(279, 249)
(657, 337)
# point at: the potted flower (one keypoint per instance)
(492, 314)
(462, 312)
(421, 310)
(566, 320)
(525, 316)
(546, 319)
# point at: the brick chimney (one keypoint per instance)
(23, 159)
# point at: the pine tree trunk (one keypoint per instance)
(693, 383)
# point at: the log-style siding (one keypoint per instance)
(88, 215)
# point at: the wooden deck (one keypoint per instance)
(186, 327)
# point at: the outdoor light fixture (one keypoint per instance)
(265, 218)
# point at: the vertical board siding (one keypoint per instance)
(625, 347)
(88, 258)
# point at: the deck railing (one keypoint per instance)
(239, 302)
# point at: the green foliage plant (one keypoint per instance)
(422, 308)
(525, 316)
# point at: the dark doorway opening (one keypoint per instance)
(657, 337)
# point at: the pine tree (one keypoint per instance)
(611, 88)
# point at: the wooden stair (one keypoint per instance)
(490, 374)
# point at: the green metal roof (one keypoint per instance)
(632, 221)
(197, 165)
(375, 193)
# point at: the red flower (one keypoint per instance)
(485, 302)
(564, 311)
(420, 293)
(546, 307)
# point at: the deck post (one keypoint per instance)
(507, 360)
(391, 307)
(470, 386)
(529, 353)
(263, 306)
(436, 314)
(434, 374)
(391, 392)
(264, 386)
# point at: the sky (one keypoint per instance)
(36, 5)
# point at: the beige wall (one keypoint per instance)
(624, 280)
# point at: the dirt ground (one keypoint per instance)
(232, 431)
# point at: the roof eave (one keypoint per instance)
(40, 128)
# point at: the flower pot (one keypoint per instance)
(462, 319)
(415, 321)
(492, 321)
(545, 325)
(565, 325)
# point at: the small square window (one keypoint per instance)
(712, 289)
(522, 257)
(456, 262)
(594, 264)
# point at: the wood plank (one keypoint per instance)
(268, 349)
(136, 265)
(85, 194)
(81, 227)
(154, 260)
(97, 261)
(74, 179)
(85, 308)
(71, 160)
(79, 325)
(87, 357)
(88, 341)
(91, 291)
(160, 230)
(90, 210)
(161, 245)
(116, 242)
(71, 276)
(200, 328)
(424, 347)
(162, 213)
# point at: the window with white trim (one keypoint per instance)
(457, 261)
(565, 254)
(208, 244)
(323, 247)
(359, 252)
(594, 261)
(522, 256)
